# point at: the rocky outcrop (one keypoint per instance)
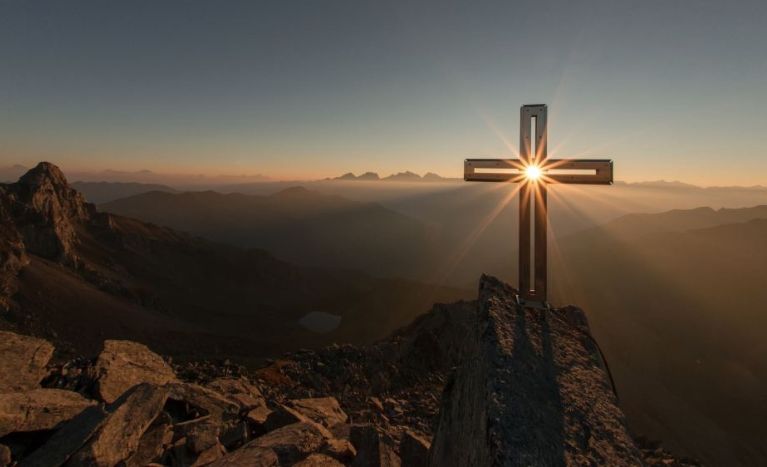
(532, 390)
(46, 211)
(473, 383)
(23, 361)
(157, 419)
(124, 364)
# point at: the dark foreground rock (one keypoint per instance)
(532, 390)
(529, 389)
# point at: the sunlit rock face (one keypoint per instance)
(531, 390)
(47, 210)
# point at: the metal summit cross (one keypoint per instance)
(535, 171)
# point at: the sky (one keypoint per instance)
(673, 90)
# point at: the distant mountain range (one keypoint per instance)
(12, 173)
(295, 224)
(406, 176)
(103, 192)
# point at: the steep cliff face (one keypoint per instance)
(531, 390)
(46, 211)
(12, 251)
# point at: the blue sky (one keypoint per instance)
(294, 89)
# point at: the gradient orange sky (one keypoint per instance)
(299, 90)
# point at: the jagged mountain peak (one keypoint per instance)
(43, 173)
(46, 210)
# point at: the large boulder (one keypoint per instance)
(152, 443)
(23, 361)
(323, 410)
(124, 364)
(38, 409)
(239, 390)
(118, 438)
(532, 390)
(68, 439)
(290, 444)
(202, 401)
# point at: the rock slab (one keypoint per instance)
(124, 364)
(531, 390)
(23, 361)
(118, 438)
(38, 409)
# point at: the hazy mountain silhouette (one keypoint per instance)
(675, 299)
(295, 224)
(105, 275)
(406, 176)
(103, 192)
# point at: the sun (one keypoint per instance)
(533, 172)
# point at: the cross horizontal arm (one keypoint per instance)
(570, 171)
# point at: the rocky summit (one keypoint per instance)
(487, 382)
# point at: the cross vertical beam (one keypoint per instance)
(533, 257)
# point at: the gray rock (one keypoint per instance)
(531, 391)
(118, 438)
(48, 210)
(38, 409)
(340, 449)
(318, 460)
(23, 361)
(124, 364)
(68, 439)
(323, 410)
(257, 419)
(5, 456)
(201, 434)
(290, 443)
(371, 451)
(282, 416)
(210, 455)
(249, 456)
(413, 450)
(205, 401)
(152, 444)
(239, 390)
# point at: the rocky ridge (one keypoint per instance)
(415, 399)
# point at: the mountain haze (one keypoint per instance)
(111, 276)
(675, 300)
(295, 224)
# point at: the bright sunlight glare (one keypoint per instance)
(533, 172)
